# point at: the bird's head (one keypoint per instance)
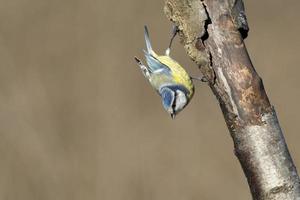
(174, 99)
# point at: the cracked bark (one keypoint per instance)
(212, 32)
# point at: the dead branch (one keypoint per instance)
(212, 32)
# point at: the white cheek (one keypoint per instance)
(180, 100)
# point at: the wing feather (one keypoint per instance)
(155, 65)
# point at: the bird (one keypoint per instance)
(167, 77)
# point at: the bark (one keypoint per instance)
(212, 32)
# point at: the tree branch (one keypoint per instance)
(212, 32)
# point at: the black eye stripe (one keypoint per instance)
(174, 102)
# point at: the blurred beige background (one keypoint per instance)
(79, 121)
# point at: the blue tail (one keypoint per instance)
(147, 39)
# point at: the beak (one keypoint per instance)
(173, 116)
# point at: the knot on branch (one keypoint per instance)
(239, 17)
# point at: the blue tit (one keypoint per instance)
(167, 77)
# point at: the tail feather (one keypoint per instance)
(147, 39)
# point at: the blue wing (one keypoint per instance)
(155, 65)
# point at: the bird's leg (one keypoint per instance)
(144, 69)
(174, 33)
